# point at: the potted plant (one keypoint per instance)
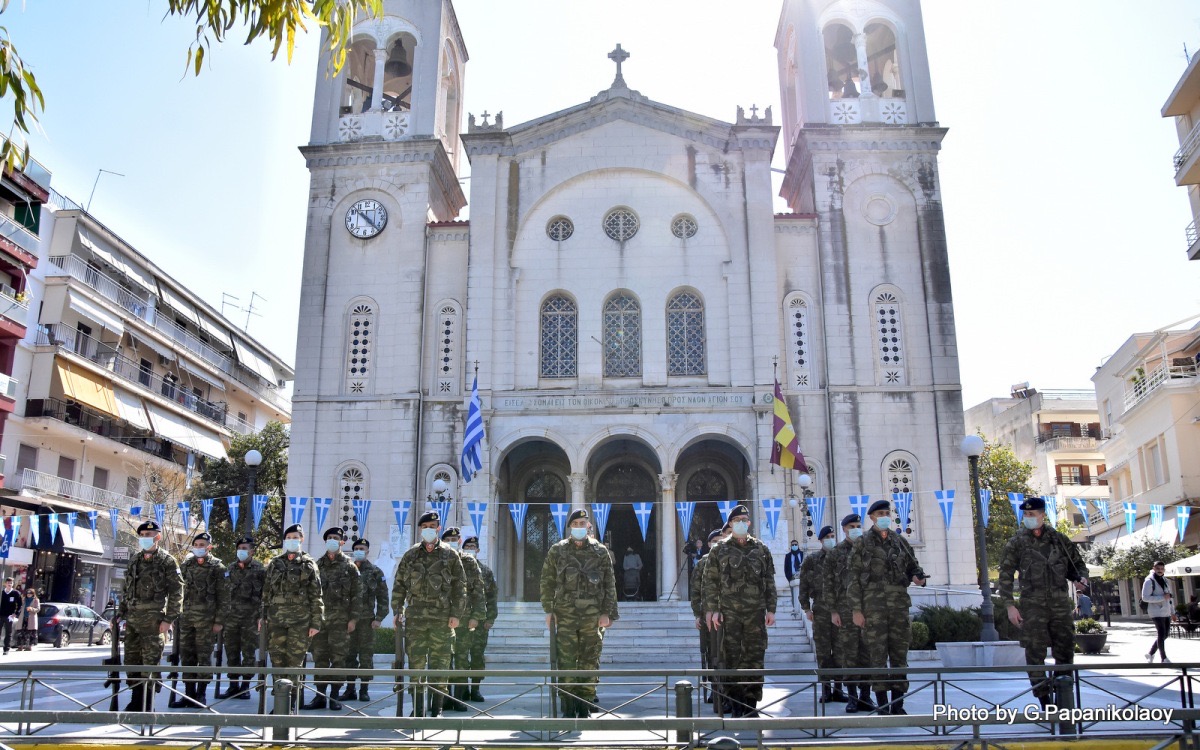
(1090, 636)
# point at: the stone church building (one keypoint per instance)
(623, 288)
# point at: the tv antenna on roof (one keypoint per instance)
(230, 300)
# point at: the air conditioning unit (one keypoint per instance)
(163, 361)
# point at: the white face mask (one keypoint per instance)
(360, 554)
(428, 535)
(243, 554)
(200, 551)
(291, 545)
(795, 547)
(828, 542)
(854, 533)
(741, 528)
(332, 545)
(471, 552)
(883, 523)
(578, 534)
(453, 544)
(146, 543)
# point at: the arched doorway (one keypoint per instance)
(534, 473)
(542, 488)
(710, 471)
(624, 473)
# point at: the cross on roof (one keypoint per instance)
(618, 56)
(754, 111)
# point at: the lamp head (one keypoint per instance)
(972, 446)
(440, 486)
(253, 458)
(806, 481)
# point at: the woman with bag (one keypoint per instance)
(1158, 598)
(27, 622)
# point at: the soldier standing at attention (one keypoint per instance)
(476, 610)
(245, 581)
(739, 599)
(579, 597)
(816, 609)
(696, 597)
(204, 602)
(151, 599)
(372, 608)
(882, 565)
(849, 643)
(341, 591)
(1046, 560)
(429, 597)
(293, 602)
(477, 639)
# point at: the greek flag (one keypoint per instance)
(321, 506)
(160, 514)
(518, 511)
(985, 506)
(259, 504)
(93, 513)
(726, 507)
(114, 516)
(816, 509)
(1102, 506)
(443, 510)
(771, 508)
(903, 503)
(472, 454)
(7, 542)
(945, 499)
(362, 511)
(1051, 508)
(185, 513)
(600, 515)
(1083, 510)
(1156, 518)
(642, 511)
(560, 511)
(1015, 499)
(859, 505)
(399, 507)
(53, 519)
(476, 512)
(1130, 516)
(685, 509)
(206, 509)
(71, 519)
(1182, 513)
(233, 500)
(296, 506)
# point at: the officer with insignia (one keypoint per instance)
(373, 609)
(476, 640)
(739, 599)
(429, 597)
(882, 567)
(293, 602)
(204, 601)
(849, 642)
(579, 597)
(151, 599)
(816, 609)
(245, 580)
(1046, 561)
(476, 611)
(341, 591)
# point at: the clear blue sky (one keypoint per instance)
(1065, 226)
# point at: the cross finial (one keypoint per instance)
(618, 56)
(485, 117)
(753, 111)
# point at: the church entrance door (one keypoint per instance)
(628, 487)
(540, 531)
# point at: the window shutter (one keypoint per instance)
(1083, 475)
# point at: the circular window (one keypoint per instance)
(560, 228)
(683, 226)
(620, 224)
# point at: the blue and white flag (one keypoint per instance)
(686, 510)
(114, 518)
(1051, 508)
(16, 528)
(472, 452)
(185, 514)
(945, 500)
(234, 501)
(321, 506)
(1130, 515)
(362, 511)
(1083, 510)
(600, 516)
(160, 514)
(476, 512)
(1182, 513)
(135, 511)
(726, 507)
(816, 508)
(257, 506)
(92, 514)
(771, 508)
(560, 511)
(1156, 518)
(1102, 506)
(1015, 499)
(642, 511)
(399, 508)
(985, 506)
(443, 510)
(296, 507)
(903, 503)
(35, 531)
(53, 519)
(518, 511)
(859, 505)
(206, 510)
(71, 519)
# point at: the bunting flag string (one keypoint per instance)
(1130, 515)
(160, 514)
(816, 508)
(92, 514)
(859, 504)
(726, 507)
(1182, 514)
(114, 517)
(518, 510)
(642, 511)
(185, 514)
(686, 510)
(600, 516)
(1102, 506)
(362, 511)
(1156, 518)
(206, 509)
(321, 507)
(53, 521)
(903, 503)
(258, 504)
(234, 502)
(399, 508)
(476, 511)
(560, 511)
(1082, 505)
(35, 531)
(71, 519)
(985, 506)
(136, 512)
(7, 542)
(1015, 499)
(16, 525)
(945, 500)
(296, 507)
(443, 510)
(771, 508)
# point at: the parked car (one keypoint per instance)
(108, 615)
(63, 624)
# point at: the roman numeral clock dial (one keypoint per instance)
(366, 218)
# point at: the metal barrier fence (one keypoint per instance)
(658, 708)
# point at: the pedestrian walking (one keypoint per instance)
(243, 605)
(373, 610)
(293, 605)
(205, 594)
(1157, 595)
(579, 597)
(791, 570)
(1045, 561)
(476, 611)
(341, 591)
(849, 640)
(10, 610)
(1083, 606)
(475, 648)
(816, 608)
(27, 621)
(882, 566)
(151, 601)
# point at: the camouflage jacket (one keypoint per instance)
(739, 578)
(489, 593)
(152, 582)
(881, 568)
(835, 578)
(341, 588)
(1045, 563)
(578, 580)
(245, 581)
(812, 581)
(476, 603)
(696, 591)
(205, 594)
(430, 582)
(374, 604)
(292, 590)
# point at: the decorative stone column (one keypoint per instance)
(860, 44)
(579, 492)
(668, 547)
(381, 56)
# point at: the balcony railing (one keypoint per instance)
(48, 484)
(1187, 148)
(1192, 238)
(18, 235)
(1143, 386)
(101, 424)
(1067, 443)
(1069, 481)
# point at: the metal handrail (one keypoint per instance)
(1187, 148)
(53, 485)
(1145, 385)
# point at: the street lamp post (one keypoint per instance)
(252, 458)
(972, 447)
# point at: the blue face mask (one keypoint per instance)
(828, 542)
(428, 535)
(332, 545)
(795, 547)
(578, 534)
(243, 554)
(200, 551)
(291, 545)
(146, 543)
(1031, 523)
(883, 523)
(854, 533)
(741, 528)
(360, 554)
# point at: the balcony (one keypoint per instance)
(103, 425)
(21, 238)
(1187, 166)
(1071, 443)
(1193, 240)
(1141, 387)
(48, 484)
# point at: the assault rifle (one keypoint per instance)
(716, 662)
(261, 660)
(114, 661)
(398, 663)
(175, 701)
(220, 648)
(705, 661)
(554, 692)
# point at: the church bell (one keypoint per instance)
(397, 63)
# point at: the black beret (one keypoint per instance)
(203, 536)
(577, 514)
(451, 531)
(879, 505)
(149, 526)
(852, 518)
(430, 516)
(334, 530)
(726, 527)
(715, 533)
(363, 542)
(471, 540)
(825, 531)
(740, 510)
(1033, 503)
(247, 539)
(294, 528)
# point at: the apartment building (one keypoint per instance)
(1184, 105)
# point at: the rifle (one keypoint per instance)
(398, 663)
(705, 686)
(220, 648)
(114, 661)
(261, 661)
(715, 662)
(554, 693)
(174, 701)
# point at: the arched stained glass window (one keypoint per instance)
(560, 337)
(622, 337)
(685, 335)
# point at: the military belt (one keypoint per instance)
(585, 602)
(147, 605)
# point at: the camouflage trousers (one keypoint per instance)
(362, 652)
(744, 646)
(1046, 624)
(196, 642)
(474, 643)
(143, 642)
(428, 641)
(824, 639)
(331, 649)
(287, 644)
(850, 646)
(888, 634)
(241, 640)
(579, 642)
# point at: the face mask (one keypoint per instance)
(883, 523)
(360, 554)
(741, 528)
(795, 547)
(200, 551)
(332, 545)
(854, 533)
(146, 543)
(429, 536)
(578, 534)
(243, 554)
(471, 552)
(453, 545)
(291, 545)
(1031, 523)
(828, 543)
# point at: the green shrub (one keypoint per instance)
(950, 625)
(385, 640)
(920, 636)
(1088, 625)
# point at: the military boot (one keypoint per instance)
(881, 700)
(364, 694)
(200, 695)
(334, 703)
(135, 697)
(318, 700)
(864, 698)
(475, 696)
(418, 700)
(231, 688)
(836, 695)
(435, 704)
(898, 703)
(852, 701)
(243, 690)
(176, 701)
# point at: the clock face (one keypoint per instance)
(366, 218)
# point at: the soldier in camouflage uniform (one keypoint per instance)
(477, 639)
(579, 597)
(739, 599)
(373, 610)
(696, 597)
(151, 599)
(429, 598)
(204, 602)
(245, 579)
(341, 592)
(476, 610)
(882, 566)
(849, 643)
(816, 609)
(293, 604)
(1046, 560)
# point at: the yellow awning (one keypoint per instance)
(85, 388)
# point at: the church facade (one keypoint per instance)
(627, 297)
